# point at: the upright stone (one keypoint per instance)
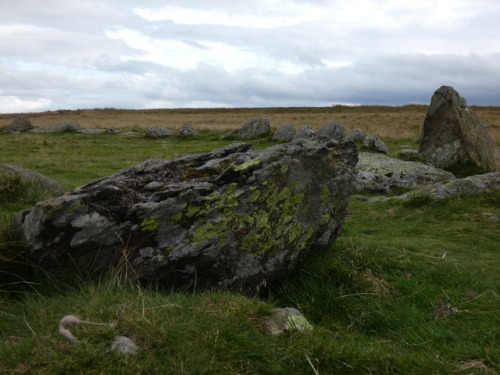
(256, 127)
(453, 136)
(284, 133)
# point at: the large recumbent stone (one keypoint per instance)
(232, 218)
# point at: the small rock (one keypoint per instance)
(356, 136)
(305, 132)
(287, 319)
(490, 215)
(331, 130)
(374, 143)
(124, 345)
(160, 131)
(187, 129)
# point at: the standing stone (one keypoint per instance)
(257, 127)
(331, 130)
(284, 133)
(19, 124)
(232, 218)
(453, 136)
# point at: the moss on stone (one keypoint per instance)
(149, 224)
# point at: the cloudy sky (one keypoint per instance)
(70, 54)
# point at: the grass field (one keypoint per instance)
(408, 288)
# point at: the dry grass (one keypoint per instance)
(387, 122)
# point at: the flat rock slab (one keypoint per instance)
(232, 218)
(380, 174)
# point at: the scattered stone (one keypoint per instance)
(453, 136)
(356, 136)
(27, 175)
(97, 131)
(67, 126)
(374, 143)
(124, 345)
(19, 124)
(378, 173)
(160, 131)
(130, 134)
(187, 129)
(232, 218)
(256, 127)
(331, 130)
(490, 215)
(483, 183)
(408, 153)
(287, 319)
(305, 132)
(284, 133)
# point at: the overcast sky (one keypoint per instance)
(71, 54)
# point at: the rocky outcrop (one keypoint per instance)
(453, 136)
(378, 173)
(19, 124)
(232, 218)
(67, 126)
(284, 133)
(478, 184)
(254, 128)
(31, 176)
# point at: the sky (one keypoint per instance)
(85, 54)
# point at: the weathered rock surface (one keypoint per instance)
(67, 126)
(256, 127)
(231, 218)
(305, 132)
(31, 176)
(187, 129)
(482, 183)
(374, 143)
(454, 136)
(160, 131)
(331, 130)
(378, 173)
(284, 133)
(19, 124)
(94, 131)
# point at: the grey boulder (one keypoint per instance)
(256, 127)
(19, 124)
(67, 126)
(232, 218)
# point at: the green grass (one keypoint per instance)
(408, 288)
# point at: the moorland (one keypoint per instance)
(409, 287)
